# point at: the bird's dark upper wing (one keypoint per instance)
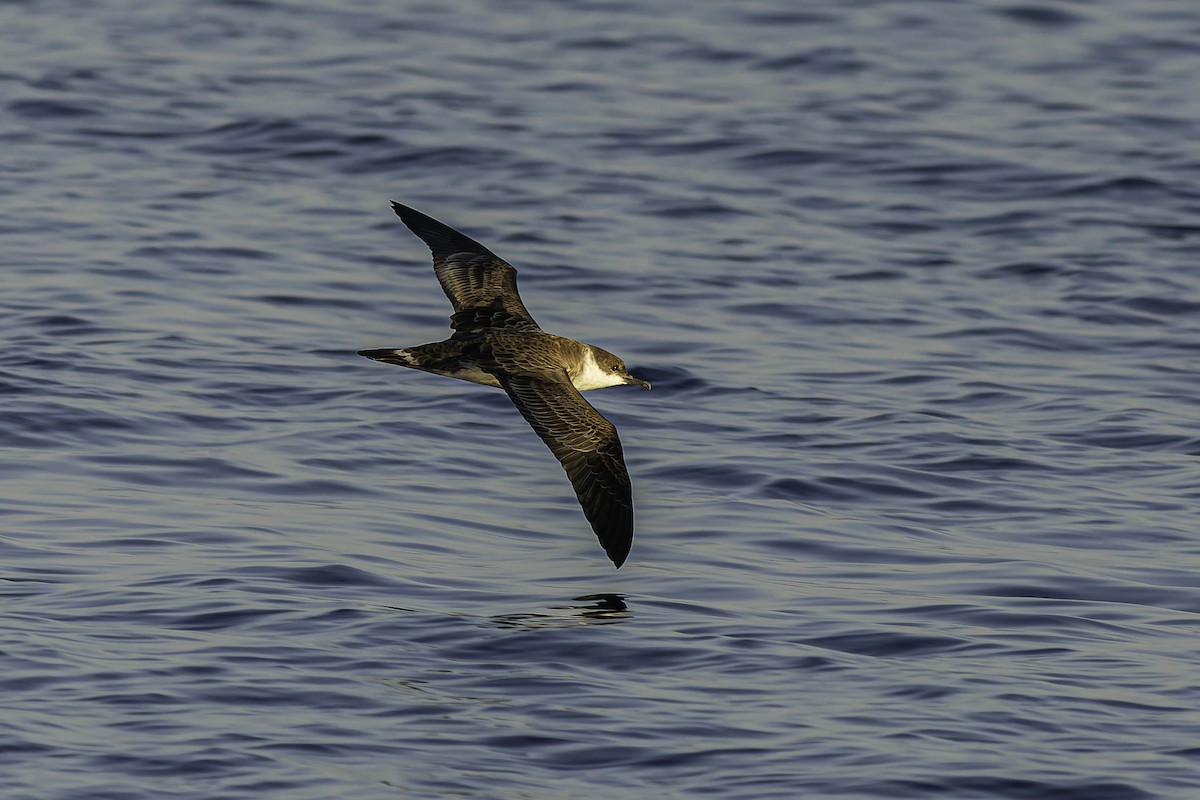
(481, 286)
(589, 449)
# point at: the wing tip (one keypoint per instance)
(404, 212)
(441, 239)
(617, 543)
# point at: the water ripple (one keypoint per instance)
(915, 487)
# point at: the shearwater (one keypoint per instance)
(497, 343)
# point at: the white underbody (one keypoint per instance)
(470, 371)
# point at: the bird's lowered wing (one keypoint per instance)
(482, 287)
(589, 449)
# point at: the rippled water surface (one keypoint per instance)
(918, 288)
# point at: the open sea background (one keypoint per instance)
(917, 285)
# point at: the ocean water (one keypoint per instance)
(918, 288)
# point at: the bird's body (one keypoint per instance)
(463, 357)
(497, 343)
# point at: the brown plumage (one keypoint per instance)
(496, 342)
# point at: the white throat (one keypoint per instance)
(591, 376)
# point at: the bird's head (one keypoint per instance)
(606, 369)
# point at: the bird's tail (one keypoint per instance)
(391, 355)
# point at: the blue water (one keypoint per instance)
(917, 286)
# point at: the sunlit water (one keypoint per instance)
(917, 288)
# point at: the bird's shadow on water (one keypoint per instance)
(590, 609)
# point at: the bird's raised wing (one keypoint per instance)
(481, 286)
(587, 446)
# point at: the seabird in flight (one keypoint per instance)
(497, 343)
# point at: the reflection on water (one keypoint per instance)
(603, 606)
(593, 609)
